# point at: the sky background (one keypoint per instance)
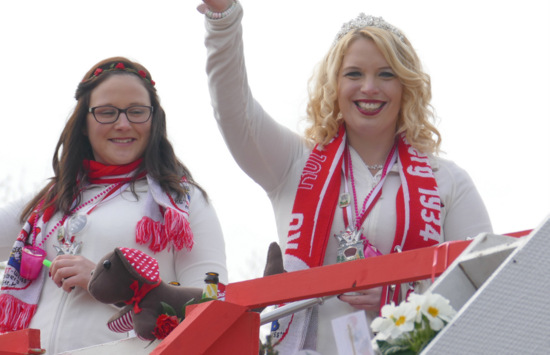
(488, 60)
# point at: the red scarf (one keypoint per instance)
(418, 217)
(98, 173)
(314, 206)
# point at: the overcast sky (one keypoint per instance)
(489, 63)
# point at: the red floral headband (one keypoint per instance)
(120, 66)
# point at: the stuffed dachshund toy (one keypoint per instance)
(130, 277)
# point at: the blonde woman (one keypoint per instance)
(364, 181)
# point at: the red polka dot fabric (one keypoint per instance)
(144, 264)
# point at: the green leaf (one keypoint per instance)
(397, 348)
(191, 301)
(151, 342)
(167, 309)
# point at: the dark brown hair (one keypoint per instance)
(159, 159)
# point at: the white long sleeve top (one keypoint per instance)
(274, 157)
(76, 320)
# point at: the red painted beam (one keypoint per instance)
(335, 279)
(210, 327)
(26, 341)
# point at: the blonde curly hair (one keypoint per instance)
(416, 113)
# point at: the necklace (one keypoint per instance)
(375, 167)
(97, 199)
(352, 244)
(370, 199)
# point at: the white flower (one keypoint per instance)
(417, 300)
(383, 325)
(437, 309)
(412, 324)
(394, 321)
(388, 310)
(403, 316)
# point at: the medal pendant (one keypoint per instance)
(344, 200)
(69, 241)
(76, 223)
(350, 246)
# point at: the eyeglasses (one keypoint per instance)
(110, 114)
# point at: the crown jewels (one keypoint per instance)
(362, 21)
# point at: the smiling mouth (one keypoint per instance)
(122, 140)
(369, 107)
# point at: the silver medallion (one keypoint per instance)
(350, 246)
(69, 243)
(76, 223)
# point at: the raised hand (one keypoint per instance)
(214, 5)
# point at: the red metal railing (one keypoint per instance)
(231, 327)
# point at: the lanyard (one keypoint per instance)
(373, 195)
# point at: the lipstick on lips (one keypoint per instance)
(370, 107)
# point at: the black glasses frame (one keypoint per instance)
(119, 111)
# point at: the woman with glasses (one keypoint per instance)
(116, 183)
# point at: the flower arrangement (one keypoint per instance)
(409, 327)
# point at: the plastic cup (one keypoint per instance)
(31, 262)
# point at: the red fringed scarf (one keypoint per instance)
(418, 219)
(165, 224)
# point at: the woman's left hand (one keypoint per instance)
(68, 271)
(368, 300)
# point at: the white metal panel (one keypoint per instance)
(510, 312)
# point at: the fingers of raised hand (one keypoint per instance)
(214, 5)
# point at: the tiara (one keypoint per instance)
(121, 66)
(362, 21)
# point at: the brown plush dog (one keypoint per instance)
(130, 277)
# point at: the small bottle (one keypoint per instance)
(210, 286)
